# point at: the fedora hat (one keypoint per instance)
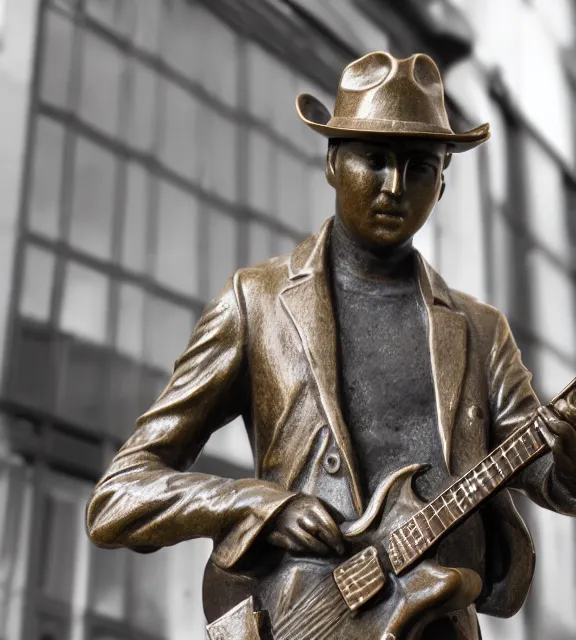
(382, 96)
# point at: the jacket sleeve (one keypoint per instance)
(146, 499)
(512, 403)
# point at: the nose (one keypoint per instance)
(392, 183)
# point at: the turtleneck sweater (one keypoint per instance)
(387, 391)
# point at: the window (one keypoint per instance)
(93, 199)
(135, 230)
(177, 240)
(47, 170)
(101, 77)
(36, 296)
(165, 153)
(85, 303)
(55, 83)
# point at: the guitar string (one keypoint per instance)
(485, 468)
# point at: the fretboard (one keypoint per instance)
(407, 543)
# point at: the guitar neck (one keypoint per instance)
(411, 540)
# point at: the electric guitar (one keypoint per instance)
(389, 590)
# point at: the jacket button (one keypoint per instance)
(332, 463)
(475, 412)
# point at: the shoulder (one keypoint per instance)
(482, 316)
(268, 275)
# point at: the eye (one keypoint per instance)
(422, 168)
(376, 161)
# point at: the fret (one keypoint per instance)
(503, 452)
(457, 501)
(431, 519)
(514, 448)
(446, 505)
(535, 442)
(408, 548)
(487, 477)
(528, 453)
(472, 488)
(424, 525)
(499, 470)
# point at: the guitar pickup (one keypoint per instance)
(360, 578)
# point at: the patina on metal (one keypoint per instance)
(383, 408)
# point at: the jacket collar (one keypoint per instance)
(310, 257)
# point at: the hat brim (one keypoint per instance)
(316, 116)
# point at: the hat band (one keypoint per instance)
(393, 126)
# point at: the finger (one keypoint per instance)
(309, 542)
(283, 540)
(328, 531)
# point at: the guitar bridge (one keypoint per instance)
(360, 578)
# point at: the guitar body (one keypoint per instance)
(403, 609)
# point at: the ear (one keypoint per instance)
(442, 188)
(331, 164)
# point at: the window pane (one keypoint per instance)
(130, 335)
(180, 131)
(168, 328)
(219, 173)
(555, 322)
(57, 58)
(124, 393)
(47, 178)
(93, 199)
(261, 184)
(292, 192)
(285, 119)
(101, 76)
(85, 303)
(36, 295)
(148, 24)
(546, 207)
(177, 240)
(260, 238)
(83, 379)
(59, 539)
(261, 72)
(35, 358)
(223, 250)
(108, 578)
(179, 37)
(134, 234)
(216, 56)
(115, 14)
(142, 107)
(151, 588)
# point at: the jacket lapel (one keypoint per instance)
(448, 339)
(307, 300)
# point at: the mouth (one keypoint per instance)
(390, 214)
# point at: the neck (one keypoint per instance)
(383, 263)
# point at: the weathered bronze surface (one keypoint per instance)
(383, 409)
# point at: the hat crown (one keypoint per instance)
(379, 86)
(380, 96)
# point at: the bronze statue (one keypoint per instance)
(383, 409)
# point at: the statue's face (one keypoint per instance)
(385, 190)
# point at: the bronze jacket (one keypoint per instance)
(266, 349)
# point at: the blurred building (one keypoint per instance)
(150, 148)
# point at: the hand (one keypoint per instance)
(563, 448)
(304, 525)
